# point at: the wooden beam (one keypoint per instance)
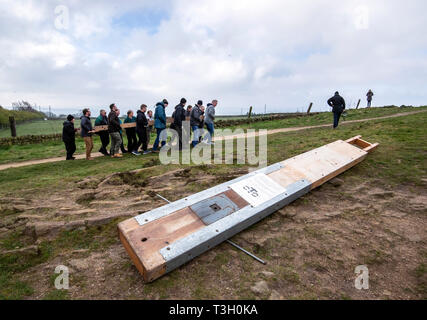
(167, 237)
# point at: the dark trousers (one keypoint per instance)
(105, 141)
(178, 130)
(369, 103)
(132, 141)
(157, 141)
(337, 116)
(71, 148)
(142, 139)
(122, 146)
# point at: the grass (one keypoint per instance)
(399, 161)
(404, 138)
(53, 149)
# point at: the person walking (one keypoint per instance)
(338, 106)
(209, 121)
(114, 130)
(179, 117)
(160, 124)
(122, 146)
(69, 137)
(103, 135)
(150, 119)
(86, 132)
(369, 96)
(142, 128)
(196, 118)
(131, 134)
(188, 111)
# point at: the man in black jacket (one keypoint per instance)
(69, 137)
(179, 117)
(338, 106)
(141, 129)
(114, 130)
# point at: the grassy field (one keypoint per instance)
(52, 149)
(39, 127)
(309, 257)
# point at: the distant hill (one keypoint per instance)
(20, 116)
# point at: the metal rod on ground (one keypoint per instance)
(228, 241)
(248, 253)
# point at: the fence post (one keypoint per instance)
(12, 124)
(250, 113)
(309, 108)
(358, 104)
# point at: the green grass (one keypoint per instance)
(404, 138)
(53, 149)
(326, 118)
(399, 161)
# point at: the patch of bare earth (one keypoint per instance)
(312, 246)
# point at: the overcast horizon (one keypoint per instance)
(283, 54)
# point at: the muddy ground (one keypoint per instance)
(312, 246)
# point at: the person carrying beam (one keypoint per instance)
(103, 135)
(86, 132)
(114, 130)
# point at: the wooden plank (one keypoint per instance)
(164, 243)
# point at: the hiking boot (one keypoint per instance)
(136, 153)
(147, 152)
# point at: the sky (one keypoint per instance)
(274, 55)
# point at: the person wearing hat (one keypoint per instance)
(196, 120)
(69, 137)
(338, 106)
(160, 124)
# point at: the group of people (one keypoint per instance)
(337, 103)
(138, 135)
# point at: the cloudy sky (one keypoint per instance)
(279, 53)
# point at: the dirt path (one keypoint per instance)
(96, 155)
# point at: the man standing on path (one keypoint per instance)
(160, 124)
(209, 120)
(369, 96)
(196, 118)
(69, 137)
(86, 132)
(338, 106)
(114, 130)
(103, 135)
(179, 117)
(142, 128)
